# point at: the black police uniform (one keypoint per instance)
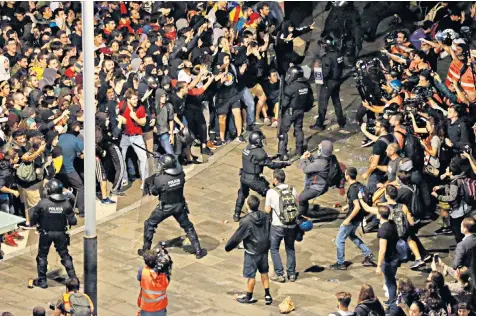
(52, 215)
(254, 158)
(343, 22)
(297, 99)
(170, 189)
(332, 64)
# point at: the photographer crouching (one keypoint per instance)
(154, 279)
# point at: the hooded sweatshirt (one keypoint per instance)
(453, 195)
(4, 72)
(164, 114)
(254, 231)
(371, 305)
(316, 169)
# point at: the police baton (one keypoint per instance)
(298, 157)
(147, 151)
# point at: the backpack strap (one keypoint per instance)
(66, 302)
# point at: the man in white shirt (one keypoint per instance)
(283, 227)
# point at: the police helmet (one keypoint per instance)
(328, 41)
(169, 164)
(256, 138)
(306, 225)
(294, 73)
(151, 82)
(395, 85)
(54, 186)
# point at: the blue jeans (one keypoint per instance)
(278, 233)
(349, 232)
(249, 101)
(389, 269)
(164, 139)
(159, 313)
(5, 205)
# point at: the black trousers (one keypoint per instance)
(362, 111)
(247, 182)
(60, 241)
(455, 226)
(76, 182)
(330, 89)
(196, 123)
(162, 212)
(290, 117)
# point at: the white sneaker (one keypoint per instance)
(267, 121)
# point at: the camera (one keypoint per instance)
(466, 149)
(164, 261)
(390, 39)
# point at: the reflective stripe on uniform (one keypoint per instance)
(160, 298)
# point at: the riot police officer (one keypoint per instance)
(168, 184)
(297, 99)
(332, 64)
(254, 158)
(52, 215)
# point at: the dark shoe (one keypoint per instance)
(292, 278)
(417, 264)
(244, 300)
(107, 201)
(427, 257)
(201, 253)
(278, 278)
(366, 142)
(338, 266)
(236, 217)
(317, 127)
(284, 157)
(369, 261)
(219, 143)
(206, 151)
(371, 227)
(444, 231)
(268, 300)
(40, 283)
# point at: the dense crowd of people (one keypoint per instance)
(173, 75)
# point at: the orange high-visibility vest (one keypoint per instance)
(152, 297)
(467, 80)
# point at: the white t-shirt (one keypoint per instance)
(273, 200)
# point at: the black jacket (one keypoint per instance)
(372, 305)
(298, 95)
(254, 231)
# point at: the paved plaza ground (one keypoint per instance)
(208, 286)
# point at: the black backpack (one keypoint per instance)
(335, 175)
(416, 206)
(367, 310)
(467, 190)
(413, 150)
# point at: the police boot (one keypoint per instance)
(194, 240)
(40, 283)
(236, 217)
(282, 149)
(145, 247)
